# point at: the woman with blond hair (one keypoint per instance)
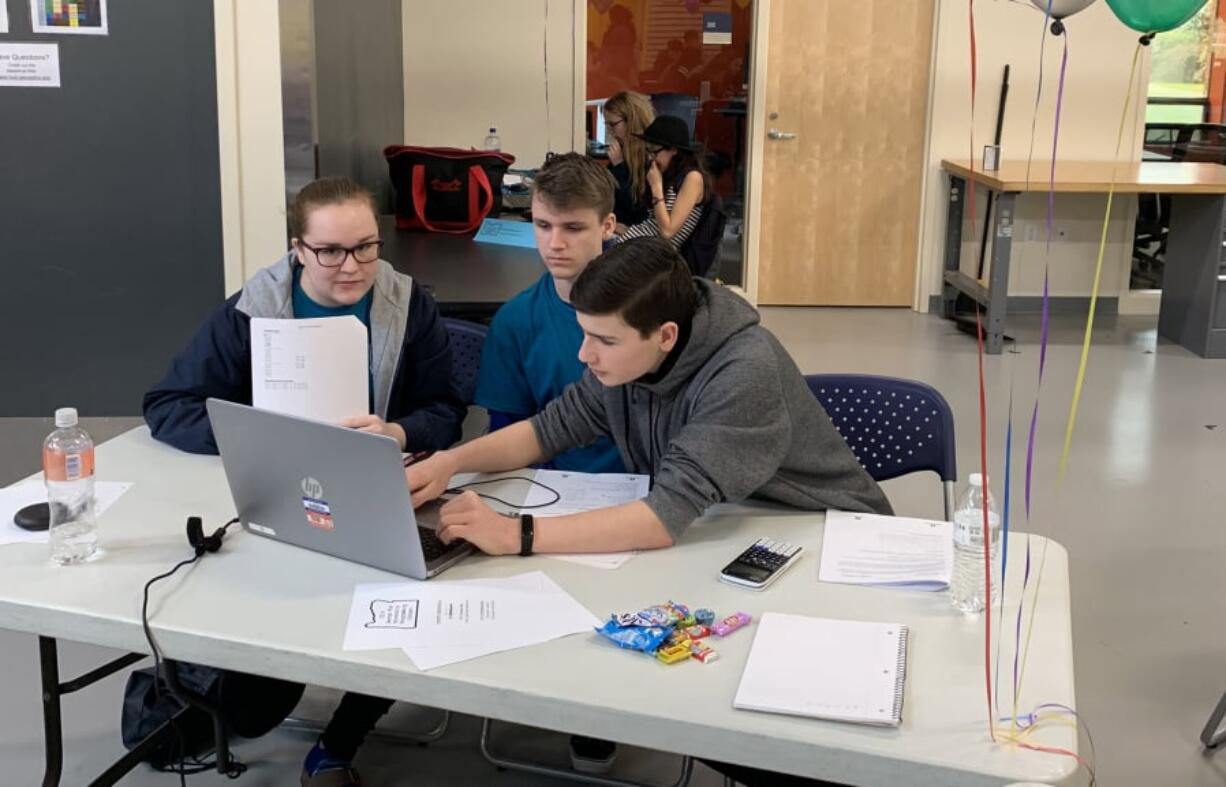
(626, 115)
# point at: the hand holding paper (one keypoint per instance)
(376, 425)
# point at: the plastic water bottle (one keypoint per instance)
(966, 589)
(68, 467)
(492, 142)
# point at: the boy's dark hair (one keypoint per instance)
(643, 280)
(572, 181)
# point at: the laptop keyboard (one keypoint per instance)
(432, 547)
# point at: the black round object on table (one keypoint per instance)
(35, 517)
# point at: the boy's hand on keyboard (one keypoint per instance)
(469, 518)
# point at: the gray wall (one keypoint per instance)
(359, 90)
(110, 213)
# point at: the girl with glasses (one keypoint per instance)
(627, 114)
(332, 270)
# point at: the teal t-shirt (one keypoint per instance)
(530, 355)
(305, 309)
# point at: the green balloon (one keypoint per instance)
(1154, 16)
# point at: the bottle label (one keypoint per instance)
(58, 466)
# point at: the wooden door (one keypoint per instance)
(841, 200)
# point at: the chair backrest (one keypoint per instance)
(893, 426)
(467, 338)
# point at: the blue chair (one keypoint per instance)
(467, 339)
(893, 426)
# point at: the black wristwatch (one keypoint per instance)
(527, 531)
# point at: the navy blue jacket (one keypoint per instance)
(217, 363)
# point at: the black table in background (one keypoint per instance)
(468, 280)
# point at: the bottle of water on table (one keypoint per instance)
(967, 585)
(68, 467)
(492, 142)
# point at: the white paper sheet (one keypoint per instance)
(865, 549)
(316, 368)
(583, 492)
(437, 623)
(20, 495)
(29, 65)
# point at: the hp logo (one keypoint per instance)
(312, 488)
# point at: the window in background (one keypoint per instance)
(657, 47)
(1179, 68)
(1187, 81)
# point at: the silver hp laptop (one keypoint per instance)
(327, 488)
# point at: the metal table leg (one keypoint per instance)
(998, 277)
(953, 244)
(1212, 736)
(540, 769)
(53, 730)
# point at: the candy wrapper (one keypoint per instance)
(644, 638)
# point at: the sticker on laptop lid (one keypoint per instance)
(321, 521)
(316, 505)
(268, 531)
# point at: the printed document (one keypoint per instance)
(437, 623)
(890, 551)
(316, 368)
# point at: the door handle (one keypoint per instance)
(775, 133)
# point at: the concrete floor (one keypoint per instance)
(1138, 514)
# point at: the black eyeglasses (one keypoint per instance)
(335, 256)
(654, 149)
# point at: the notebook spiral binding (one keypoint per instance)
(900, 672)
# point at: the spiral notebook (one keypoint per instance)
(841, 670)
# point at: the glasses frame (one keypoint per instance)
(349, 251)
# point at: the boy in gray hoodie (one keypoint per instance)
(690, 388)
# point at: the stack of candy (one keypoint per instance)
(670, 631)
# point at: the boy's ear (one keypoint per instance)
(608, 225)
(669, 332)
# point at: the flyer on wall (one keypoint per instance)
(69, 17)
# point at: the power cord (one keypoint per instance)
(556, 494)
(202, 545)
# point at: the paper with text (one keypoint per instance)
(316, 368)
(867, 549)
(578, 492)
(437, 623)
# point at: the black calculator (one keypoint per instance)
(761, 564)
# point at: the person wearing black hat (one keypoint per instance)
(678, 184)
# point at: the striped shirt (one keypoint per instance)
(651, 228)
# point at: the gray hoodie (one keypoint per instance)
(731, 419)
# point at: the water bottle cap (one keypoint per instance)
(65, 416)
(492, 129)
(976, 479)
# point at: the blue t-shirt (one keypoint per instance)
(530, 355)
(306, 309)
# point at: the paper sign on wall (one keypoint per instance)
(29, 65)
(4, 18)
(69, 17)
(716, 28)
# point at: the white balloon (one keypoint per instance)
(1062, 8)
